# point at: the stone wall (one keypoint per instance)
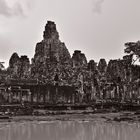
(19, 67)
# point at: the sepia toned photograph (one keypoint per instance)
(69, 70)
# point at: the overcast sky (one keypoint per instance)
(99, 28)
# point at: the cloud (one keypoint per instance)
(6, 47)
(7, 11)
(97, 6)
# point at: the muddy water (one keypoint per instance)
(70, 130)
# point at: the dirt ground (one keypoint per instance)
(105, 117)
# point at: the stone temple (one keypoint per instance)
(51, 55)
(53, 65)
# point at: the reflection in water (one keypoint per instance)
(70, 130)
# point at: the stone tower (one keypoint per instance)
(51, 55)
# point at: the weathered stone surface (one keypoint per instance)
(92, 65)
(19, 67)
(14, 64)
(102, 66)
(53, 65)
(14, 59)
(24, 68)
(51, 31)
(51, 55)
(114, 70)
(79, 59)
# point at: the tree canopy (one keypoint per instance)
(133, 48)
